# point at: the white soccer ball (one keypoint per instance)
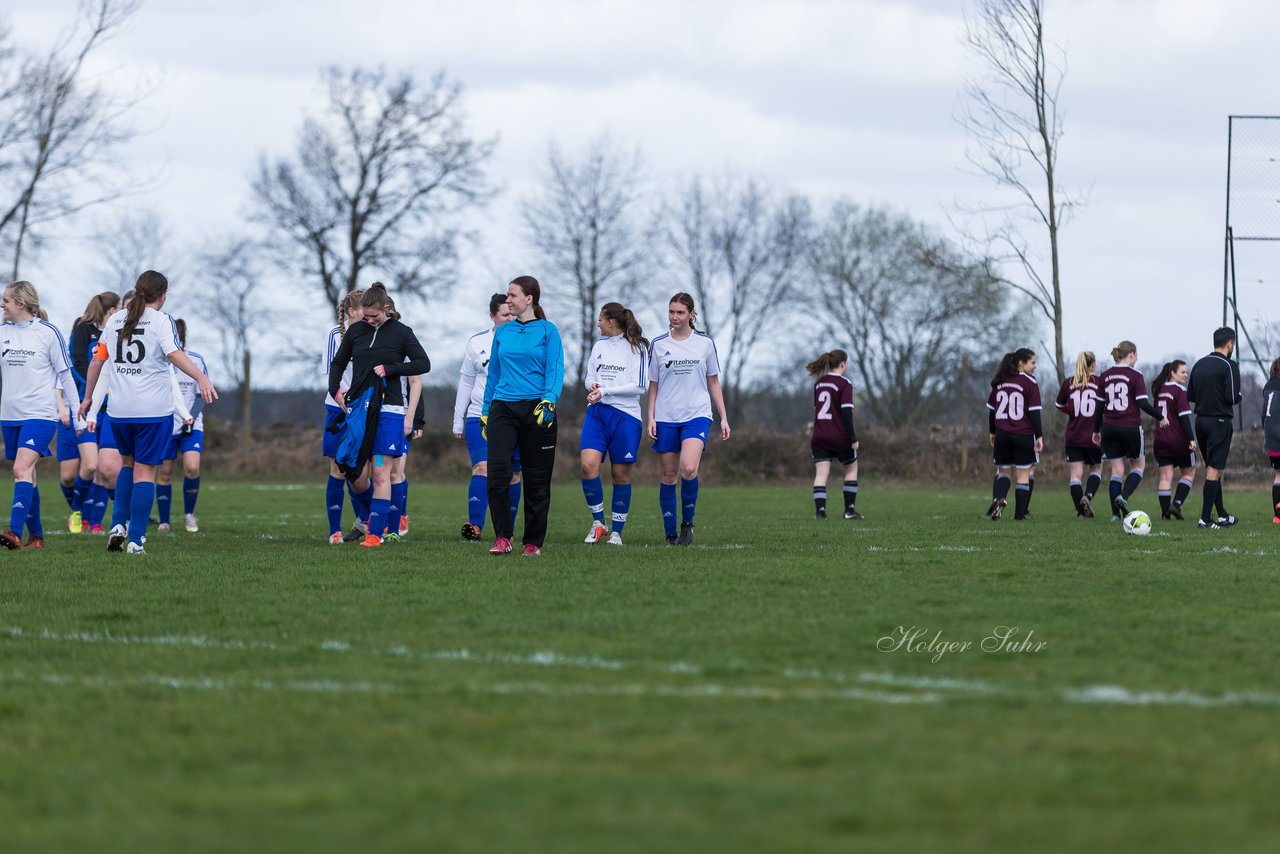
(1138, 523)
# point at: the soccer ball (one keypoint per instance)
(1137, 522)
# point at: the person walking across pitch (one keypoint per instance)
(1214, 392)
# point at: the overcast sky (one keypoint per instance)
(852, 98)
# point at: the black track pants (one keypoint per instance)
(512, 425)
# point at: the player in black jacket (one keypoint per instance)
(380, 345)
(1271, 433)
(1214, 391)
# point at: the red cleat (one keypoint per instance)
(10, 540)
(96, 529)
(501, 546)
(530, 550)
(34, 543)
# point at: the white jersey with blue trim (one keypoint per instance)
(621, 371)
(326, 359)
(141, 389)
(33, 357)
(472, 377)
(190, 392)
(681, 369)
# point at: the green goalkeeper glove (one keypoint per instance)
(545, 413)
(484, 427)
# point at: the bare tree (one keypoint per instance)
(736, 244)
(131, 243)
(585, 223)
(908, 306)
(1012, 116)
(59, 134)
(375, 184)
(236, 305)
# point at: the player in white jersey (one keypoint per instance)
(187, 443)
(361, 489)
(33, 359)
(141, 344)
(616, 378)
(684, 380)
(466, 421)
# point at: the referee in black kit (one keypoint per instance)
(1214, 391)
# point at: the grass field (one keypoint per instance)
(251, 688)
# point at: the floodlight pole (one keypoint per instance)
(1226, 248)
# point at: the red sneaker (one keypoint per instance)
(371, 541)
(85, 527)
(501, 546)
(96, 529)
(530, 550)
(34, 543)
(404, 524)
(10, 540)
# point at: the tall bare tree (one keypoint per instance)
(1011, 112)
(376, 183)
(909, 306)
(740, 250)
(130, 243)
(585, 222)
(60, 134)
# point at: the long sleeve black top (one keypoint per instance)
(389, 345)
(1214, 386)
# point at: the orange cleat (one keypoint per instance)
(34, 543)
(371, 541)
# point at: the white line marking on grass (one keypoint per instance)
(190, 683)
(1119, 695)
(883, 678)
(706, 691)
(196, 641)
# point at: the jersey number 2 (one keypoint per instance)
(824, 410)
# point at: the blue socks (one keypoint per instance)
(124, 498)
(142, 496)
(333, 503)
(96, 504)
(477, 499)
(593, 491)
(190, 492)
(379, 510)
(513, 495)
(83, 489)
(360, 501)
(35, 527)
(164, 501)
(667, 504)
(621, 505)
(399, 491)
(688, 500)
(69, 493)
(18, 513)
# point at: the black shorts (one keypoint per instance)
(845, 456)
(1213, 435)
(1183, 461)
(1275, 462)
(1123, 443)
(1014, 449)
(1090, 455)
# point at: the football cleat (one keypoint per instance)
(1226, 521)
(1175, 510)
(615, 539)
(391, 537)
(501, 546)
(135, 549)
(597, 533)
(530, 550)
(1115, 518)
(115, 542)
(96, 529)
(163, 528)
(34, 543)
(671, 539)
(853, 514)
(356, 533)
(1122, 504)
(192, 523)
(85, 527)
(1086, 507)
(686, 534)
(991, 508)
(10, 540)
(371, 541)
(335, 539)
(1275, 520)
(1167, 517)
(75, 522)
(404, 525)
(470, 532)
(821, 514)
(1213, 525)
(997, 509)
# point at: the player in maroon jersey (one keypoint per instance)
(1078, 398)
(1175, 444)
(1117, 424)
(833, 434)
(1013, 417)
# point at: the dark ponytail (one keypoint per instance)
(376, 297)
(149, 288)
(1009, 364)
(626, 321)
(181, 326)
(1275, 369)
(529, 287)
(1166, 371)
(822, 365)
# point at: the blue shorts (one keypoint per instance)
(145, 441)
(106, 434)
(69, 443)
(479, 448)
(32, 435)
(608, 429)
(389, 441)
(179, 444)
(329, 441)
(671, 436)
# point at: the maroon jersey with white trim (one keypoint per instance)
(831, 393)
(1013, 400)
(1172, 402)
(1079, 404)
(1120, 387)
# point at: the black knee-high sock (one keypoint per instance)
(1116, 486)
(1077, 492)
(1021, 498)
(1131, 484)
(995, 486)
(1001, 489)
(1217, 500)
(1092, 485)
(820, 499)
(1166, 497)
(1181, 492)
(1210, 497)
(850, 494)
